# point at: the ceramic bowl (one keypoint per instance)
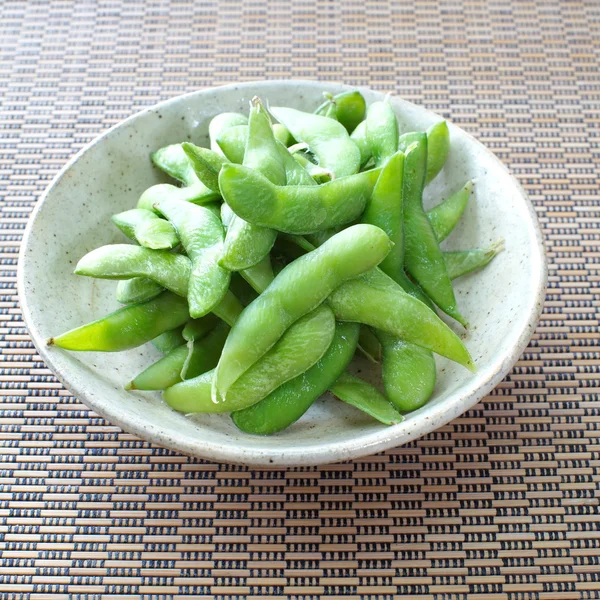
(502, 302)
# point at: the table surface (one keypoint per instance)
(500, 504)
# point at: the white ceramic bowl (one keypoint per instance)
(502, 303)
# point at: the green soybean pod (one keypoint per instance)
(201, 234)
(295, 174)
(438, 148)
(146, 228)
(164, 373)
(408, 371)
(203, 354)
(365, 397)
(295, 209)
(196, 329)
(423, 257)
(206, 164)
(128, 327)
(174, 161)
(446, 214)
(312, 278)
(302, 345)
(350, 108)
(461, 262)
(376, 300)
(221, 123)
(287, 403)
(195, 194)
(169, 340)
(124, 261)
(137, 289)
(327, 139)
(359, 137)
(382, 131)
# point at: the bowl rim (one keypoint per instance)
(325, 453)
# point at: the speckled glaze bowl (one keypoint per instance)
(502, 303)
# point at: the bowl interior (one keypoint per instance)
(502, 302)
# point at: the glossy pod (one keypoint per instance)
(295, 209)
(195, 194)
(124, 261)
(137, 289)
(128, 327)
(445, 216)
(302, 345)
(221, 123)
(286, 404)
(350, 108)
(146, 228)
(382, 131)
(327, 139)
(174, 161)
(298, 289)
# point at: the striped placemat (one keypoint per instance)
(500, 504)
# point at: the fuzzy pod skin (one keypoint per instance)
(169, 340)
(376, 300)
(302, 345)
(128, 327)
(382, 131)
(445, 216)
(295, 173)
(461, 262)
(365, 397)
(327, 139)
(423, 257)
(350, 108)
(206, 164)
(174, 162)
(298, 288)
(295, 209)
(287, 403)
(137, 289)
(124, 261)
(194, 194)
(359, 137)
(222, 122)
(201, 234)
(145, 227)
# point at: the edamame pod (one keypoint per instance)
(423, 257)
(196, 329)
(286, 404)
(194, 194)
(128, 327)
(327, 139)
(201, 234)
(295, 209)
(376, 300)
(295, 174)
(164, 373)
(319, 174)
(302, 345)
(369, 345)
(232, 142)
(312, 278)
(445, 216)
(438, 147)
(409, 373)
(169, 340)
(359, 137)
(221, 123)
(350, 108)
(465, 261)
(146, 228)
(365, 397)
(203, 354)
(137, 289)
(382, 131)
(124, 261)
(206, 164)
(173, 161)
(259, 276)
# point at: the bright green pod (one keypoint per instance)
(408, 372)
(295, 174)
(327, 139)
(461, 262)
(137, 289)
(194, 194)
(422, 257)
(350, 108)
(174, 162)
(302, 345)
(169, 340)
(128, 327)
(222, 122)
(382, 131)
(232, 143)
(312, 278)
(369, 345)
(445, 216)
(438, 148)
(201, 234)
(206, 164)
(365, 397)
(359, 137)
(286, 404)
(145, 227)
(376, 300)
(124, 261)
(319, 174)
(203, 354)
(164, 373)
(295, 209)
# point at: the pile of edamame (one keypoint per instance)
(296, 240)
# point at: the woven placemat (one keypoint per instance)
(500, 504)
